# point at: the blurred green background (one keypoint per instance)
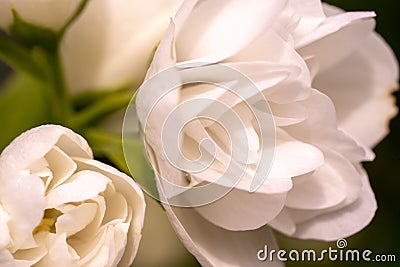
(381, 236)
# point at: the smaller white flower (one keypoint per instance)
(59, 207)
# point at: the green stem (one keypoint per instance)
(20, 58)
(99, 109)
(76, 14)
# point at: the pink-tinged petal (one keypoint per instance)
(5, 232)
(165, 55)
(251, 212)
(330, 46)
(363, 99)
(331, 184)
(214, 246)
(34, 144)
(215, 30)
(343, 222)
(293, 158)
(303, 15)
(23, 199)
(283, 223)
(6, 259)
(111, 43)
(49, 14)
(287, 114)
(333, 25)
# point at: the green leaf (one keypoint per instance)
(20, 58)
(33, 35)
(129, 157)
(23, 105)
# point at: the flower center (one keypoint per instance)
(48, 222)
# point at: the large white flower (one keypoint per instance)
(59, 207)
(108, 46)
(323, 72)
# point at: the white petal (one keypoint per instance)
(270, 47)
(320, 129)
(37, 142)
(293, 158)
(344, 222)
(82, 186)
(29, 257)
(23, 198)
(360, 86)
(329, 46)
(119, 242)
(116, 209)
(283, 223)
(332, 183)
(61, 166)
(75, 219)
(165, 54)
(86, 246)
(287, 114)
(111, 43)
(307, 15)
(59, 252)
(134, 196)
(45, 13)
(333, 25)
(214, 246)
(5, 232)
(240, 210)
(218, 29)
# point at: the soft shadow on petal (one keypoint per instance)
(363, 99)
(5, 232)
(320, 129)
(306, 15)
(220, 247)
(23, 198)
(218, 29)
(251, 212)
(329, 49)
(344, 222)
(59, 252)
(293, 157)
(82, 186)
(335, 182)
